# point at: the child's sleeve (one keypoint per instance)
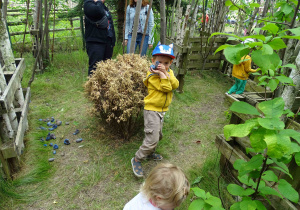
(247, 66)
(173, 80)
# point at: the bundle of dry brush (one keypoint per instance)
(117, 90)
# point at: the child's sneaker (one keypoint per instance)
(137, 168)
(155, 156)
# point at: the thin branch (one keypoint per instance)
(260, 175)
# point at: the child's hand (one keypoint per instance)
(160, 73)
(162, 68)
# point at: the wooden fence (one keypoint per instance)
(11, 137)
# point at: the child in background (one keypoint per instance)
(165, 188)
(160, 82)
(240, 73)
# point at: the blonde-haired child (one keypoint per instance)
(165, 188)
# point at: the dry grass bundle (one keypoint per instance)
(117, 90)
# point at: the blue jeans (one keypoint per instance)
(138, 43)
(238, 87)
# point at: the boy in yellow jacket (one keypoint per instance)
(240, 73)
(160, 82)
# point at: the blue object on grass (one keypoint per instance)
(54, 152)
(52, 119)
(78, 140)
(52, 136)
(45, 145)
(66, 142)
(50, 129)
(51, 159)
(51, 144)
(48, 137)
(55, 146)
(76, 132)
(40, 119)
(42, 139)
(42, 128)
(54, 126)
(49, 124)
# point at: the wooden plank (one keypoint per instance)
(198, 65)
(22, 125)
(204, 40)
(232, 155)
(203, 49)
(13, 85)
(8, 150)
(198, 56)
(177, 48)
(291, 124)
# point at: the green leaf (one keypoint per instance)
(235, 206)
(234, 54)
(277, 44)
(286, 8)
(271, 27)
(269, 176)
(214, 201)
(291, 37)
(284, 79)
(288, 191)
(265, 62)
(273, 84)
(291, 133)
(222, 47)
(254, 163)
(199, 192)
(235, 189)
(295, 31)
(290, 66)
(257, 30)
(281, 165)
(254, 5)
(228, 3)
(239, 130)
(197, 180)
(238, 163)
(260, 205)
(267, 49)
(244, 108)
(261, 37)
(269, 191)
(216, 208)
(254, 44)
(272, 108)
(218, 33)
(197, 205)
(278, 145)
(271, 123)
(248, 204)
(294, 148)
(297, 158)
(280, 169)
(257, 139)
(232, 8)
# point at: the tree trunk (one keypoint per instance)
(163, 25)
(192, 25)
(266, 7)
(46, 48)
(4, 9)
(252, 19)
(290, 92)
(120, 23)
(135, 26)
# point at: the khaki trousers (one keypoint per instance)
(153, 123)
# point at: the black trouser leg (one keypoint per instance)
(109, 49)
(96, 52)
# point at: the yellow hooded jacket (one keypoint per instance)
(241, 71)
(159, 91)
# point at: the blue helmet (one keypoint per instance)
(166, 50)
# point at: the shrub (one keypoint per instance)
(117, 90)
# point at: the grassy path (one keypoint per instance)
(97, 174)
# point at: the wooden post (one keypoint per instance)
(82, 32)
(146, 25)
(135, 26)
(162, 22)
(183, 64)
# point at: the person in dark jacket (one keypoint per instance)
(99, 32)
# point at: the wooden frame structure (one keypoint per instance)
(11, 139)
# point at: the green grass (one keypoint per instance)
(99, 174)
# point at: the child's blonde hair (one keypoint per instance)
(169, 183)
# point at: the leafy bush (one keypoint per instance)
(117, 90)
